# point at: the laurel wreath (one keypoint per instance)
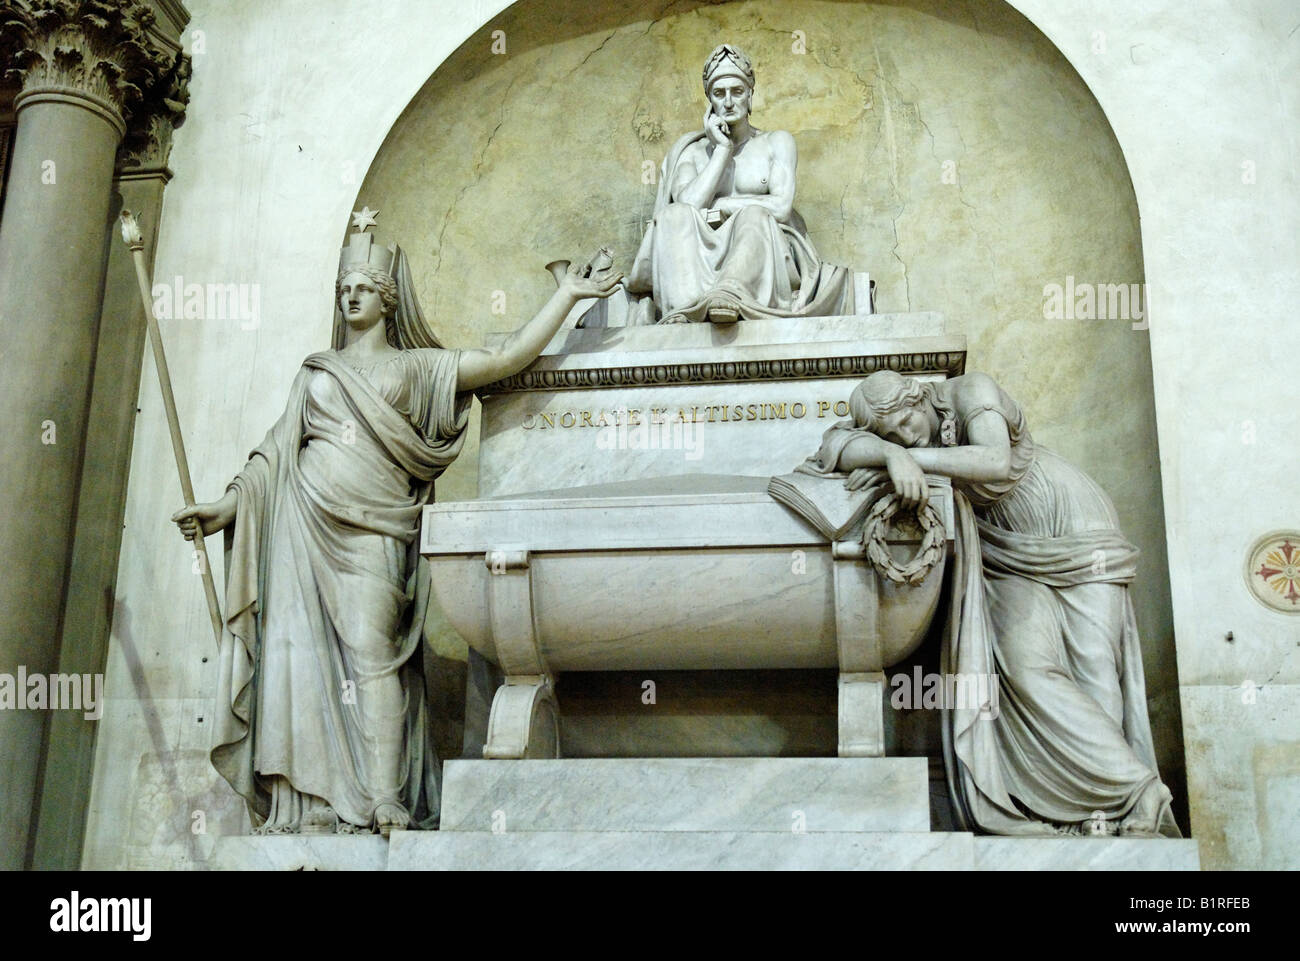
(928, 554)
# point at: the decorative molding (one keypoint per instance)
(148, 141)
(951, 363)
(106, 54)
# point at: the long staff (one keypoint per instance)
(131, 234)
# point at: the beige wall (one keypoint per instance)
(291, 106)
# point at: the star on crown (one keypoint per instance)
(363, 218)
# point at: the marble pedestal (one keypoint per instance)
(692, 814)
(728, 814)
(628, 403)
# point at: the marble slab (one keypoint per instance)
(807, 795)
(677, 851)
(731, 850)
(1086, 854)
(602, 406)
(300, 852)
(577, 349)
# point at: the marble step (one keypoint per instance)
(773, 795)
(696, 850)
(732, 850)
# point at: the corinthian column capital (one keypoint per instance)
(105, 55)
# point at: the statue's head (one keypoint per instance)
(893, 407)
(365, 294)
(729, 82)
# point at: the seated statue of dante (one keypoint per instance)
(726, 242)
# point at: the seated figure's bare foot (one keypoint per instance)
(390, 816)
(1151, 816)
(723, 309)
(319, 820)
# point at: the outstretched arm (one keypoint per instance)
(484, 365)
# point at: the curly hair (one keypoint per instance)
(725, 51)
(382, 280)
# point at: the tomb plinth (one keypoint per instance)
(631, 403)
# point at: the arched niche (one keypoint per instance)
(949, 150)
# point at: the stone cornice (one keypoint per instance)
(949, 362)
(110, 54)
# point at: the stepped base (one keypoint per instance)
(698, 850)
(742, 851)
(697, 814)
(773, 795)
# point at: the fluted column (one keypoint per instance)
(90, 69)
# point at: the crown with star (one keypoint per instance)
(361, 249)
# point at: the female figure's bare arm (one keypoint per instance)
(986, 458)
(484, 365)
(212, 517)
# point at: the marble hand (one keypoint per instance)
(600, 284)
(861, 477)
(214, 516)
(717, 129)
(907, 477)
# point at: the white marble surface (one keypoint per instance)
(677, 851)
(815, 795)
(1086, 854)
(692, 398)
(1243, 773)
(300, 853)
(729, 850)
(810, 337)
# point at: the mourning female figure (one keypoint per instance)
(1040, 598)
(321, 721)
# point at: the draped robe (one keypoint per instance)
(1039, 597)
(325, 595)
(769, 268)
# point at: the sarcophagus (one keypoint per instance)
(692, 565)
(629, 576)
